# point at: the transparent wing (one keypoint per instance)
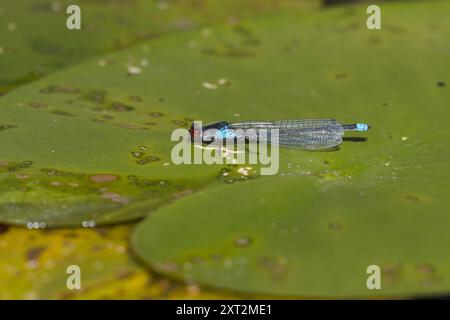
(311, 134)
(285, 124)
(312, 140)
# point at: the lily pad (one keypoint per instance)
(34, 266)
(316, 227)
(34, 263)
(35, 40)
(90, 145)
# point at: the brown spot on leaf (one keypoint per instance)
(102, 231)
(426, 268)
(7, 126)
(168, 266)
(412, 198)
(180, 123)
(34, 253)
(277, 267)
(102, 178)
(335, 226)
(120, 107)
(135, 99)
(340, 75)
(70, 235)
(183, 193)
(60, 89)
(124, 274)
(147, 160)
(3, 228)
(38, 105)
(62, 113)
(391, 273)
(242, 242)
(97, 96)
(131, 126)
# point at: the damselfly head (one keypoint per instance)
(195, 132)
(207, 132)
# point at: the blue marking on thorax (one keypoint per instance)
(225, 133)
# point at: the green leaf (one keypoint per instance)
(35, 40)
(91, 144)
(34, 263)
(34, 266)
(315, 228)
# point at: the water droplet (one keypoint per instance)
(210, 86)
(134, 70)
(243, 171)
(36, 225)
(88, 224)
(137, 154)
(223, 82)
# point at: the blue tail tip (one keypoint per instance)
(362, 127)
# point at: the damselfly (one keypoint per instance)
(308, 134)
